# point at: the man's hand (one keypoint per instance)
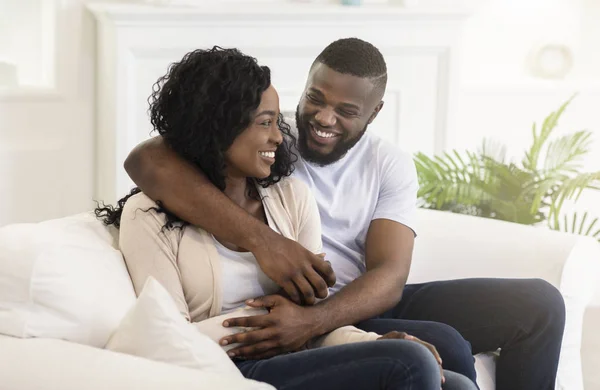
(404, 336)
(303, 275)
(286, 328)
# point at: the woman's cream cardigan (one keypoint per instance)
(185, 261)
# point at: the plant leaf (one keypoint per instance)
(533, 154)
(564, 154)
(583, 227)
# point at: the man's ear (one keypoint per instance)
(375, 112)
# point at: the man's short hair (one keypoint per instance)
(356, 57)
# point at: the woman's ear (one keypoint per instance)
(375, 112)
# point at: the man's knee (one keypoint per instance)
(450, 342)
(455, 351)
(408, 354)
(546, 302)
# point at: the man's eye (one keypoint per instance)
(347, 113)
(313, 99)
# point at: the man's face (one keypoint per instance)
(334, 112)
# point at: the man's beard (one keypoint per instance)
(339, 150)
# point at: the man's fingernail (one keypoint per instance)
(230, 354)
(250, 301)
(225, 323)
(224, 342)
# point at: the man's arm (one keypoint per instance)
(185, 191)
(389, 248)
(288, 327)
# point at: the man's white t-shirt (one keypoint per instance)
(374, 180)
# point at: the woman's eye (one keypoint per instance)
(267, 123)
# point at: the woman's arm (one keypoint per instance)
(150, 250)
(213, 327)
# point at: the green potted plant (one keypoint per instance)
(533, 191)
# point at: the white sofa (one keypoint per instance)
(449, 246)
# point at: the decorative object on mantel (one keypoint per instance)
(405, 3)
(551, 61)
(193, 3)
(485, 184)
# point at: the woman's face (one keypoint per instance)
(253, 151)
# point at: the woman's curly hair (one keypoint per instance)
(199, 107)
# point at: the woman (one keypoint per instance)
(218, 110)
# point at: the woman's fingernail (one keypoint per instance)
(250, 301)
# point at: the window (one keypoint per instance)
(27, 43)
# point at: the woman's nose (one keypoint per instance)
(276, 136)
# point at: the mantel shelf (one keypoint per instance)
(265, 11)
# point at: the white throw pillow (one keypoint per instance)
(62, 279)
(155, 329)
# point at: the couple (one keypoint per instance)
(226, 224)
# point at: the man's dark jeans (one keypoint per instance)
(525, 318)
(373, 365)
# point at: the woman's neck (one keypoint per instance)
(236, 189)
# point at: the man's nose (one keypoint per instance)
(326, 117)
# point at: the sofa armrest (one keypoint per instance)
(453, 246)
(50, 364)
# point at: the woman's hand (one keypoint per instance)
(403, 336)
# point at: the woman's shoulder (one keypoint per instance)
(140, 207)
(291, 188)
(139, 200)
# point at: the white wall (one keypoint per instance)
(46, 139)
(501, 99)
(46, 135)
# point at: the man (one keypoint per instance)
(366, 192)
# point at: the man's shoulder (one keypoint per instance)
(386, 153)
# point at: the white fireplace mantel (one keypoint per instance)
(137, 42)
(124, 14)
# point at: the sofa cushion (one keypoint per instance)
(485, 366)
(61, 365)
(62, 279)
(155, 329)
